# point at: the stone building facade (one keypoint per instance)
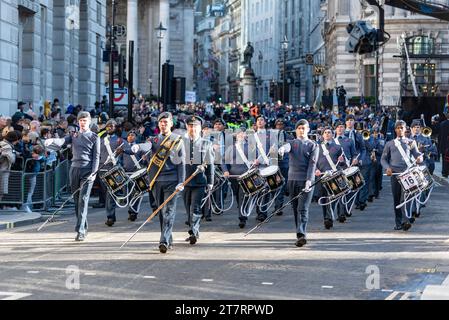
(51, 49)
(141, 18)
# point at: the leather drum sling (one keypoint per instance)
(160, 157)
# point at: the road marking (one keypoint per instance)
(392, 296)
(446, 282)
(14, 295)
(405, 296)
(387, 290)
(327, 287)
(149, 277)
(267, 283)
(207, 280)
(33, 272)
(90, 274)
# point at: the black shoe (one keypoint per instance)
(80, 237)
(187, 223)
(362, 207)
(406, 226)
(98, 205)
(342, 219)
(397, 228)
(328, 224)
(242, 224)
(109, 222)
(132, 217)
(192, 239)
(261, 218)
(208, 219)
(301, 242)
(412, 220)
(370, 198)
(418, 214)
(348, 214)
(279, 213)
(163, 248)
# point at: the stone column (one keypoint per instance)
(249, 85)
(133, 35)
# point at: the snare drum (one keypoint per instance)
(427, 177)
(336, 184)
(273, 177)
(115, 179)
(412, 180)
(141, 180)
(355, 178)
(251, 182)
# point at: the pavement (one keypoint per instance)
(361, 259)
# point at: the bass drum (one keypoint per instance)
(273, 177)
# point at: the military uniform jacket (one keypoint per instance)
(348, 147)
(429, 149)
(233, 163)
(392, 158)
(358, 143)
(303, 158)
(128, 163)
(199, 152)
(335, 151)
(114, 143)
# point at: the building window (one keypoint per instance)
(370, 80)
(424, 74)
(421, 45)
(99, 12)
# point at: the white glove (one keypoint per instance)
(285, 148)
(180, 187)
(210, 186)
(308, 186)
(48, 142)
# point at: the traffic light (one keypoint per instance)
(362, 37)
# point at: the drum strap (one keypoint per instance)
(107, 144)
(239, 149)
(261, 150)
(328, 157)
(406, 158)
(160, 157)
(136, 163)
(344, 154)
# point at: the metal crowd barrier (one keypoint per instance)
(49, 185)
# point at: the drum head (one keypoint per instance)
(138, 173)
(248, 173)
(269, 171)
(350, 171)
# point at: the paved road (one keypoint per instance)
(336, 264)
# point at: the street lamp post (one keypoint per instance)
(111, 62)
(260, 76)
(160, 35)
(284, 45)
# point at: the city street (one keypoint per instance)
(335, 264)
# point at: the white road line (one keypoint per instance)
(405, 296)
(149, 277)
(267, 283)
(33, 272)
(327, 287)
(446, 282)
(14, 295)
(387, 290)
(207, 280)
(392, 296)
(90, 274)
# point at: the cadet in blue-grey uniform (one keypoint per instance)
(170, 177)
(85, 163)
(303, 157)
(109, 143)
(199, 151)
(234, 165)
(360, 149)
(378, 143)
(330, 159)
(396, 159)
(429, 151)
(349, 154)
(367, 171)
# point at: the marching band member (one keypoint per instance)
(219, 144)
(349, 154)
(396, 159)
(198, 151)
(85, 163)
(167, 166)
(428, 149)
(110, 141)
(283, 162)
(236, 163)
(366, 169)
(303, 157)
(360, 149)
(330, 159)
(378, 143)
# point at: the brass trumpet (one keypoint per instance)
(427, 132)
(366, 134)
